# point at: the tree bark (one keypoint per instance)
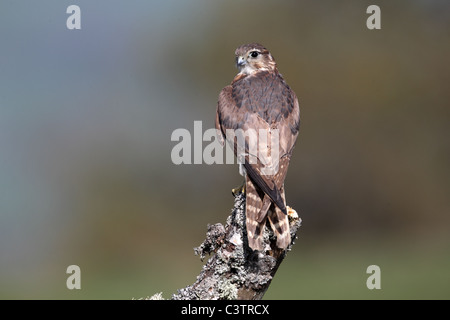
(234, 271)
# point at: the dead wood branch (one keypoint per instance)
(234, 271)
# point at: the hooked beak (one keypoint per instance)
(240, 61)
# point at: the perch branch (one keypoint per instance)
(234, 271)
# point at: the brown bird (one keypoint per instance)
(259, 101)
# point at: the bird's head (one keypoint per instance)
(254, 57)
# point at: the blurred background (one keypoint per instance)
(86, 118)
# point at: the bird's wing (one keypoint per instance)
(252, 105)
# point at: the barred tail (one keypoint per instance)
(257, 212)
(255, 228)
(280, 226)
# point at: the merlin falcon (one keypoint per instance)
(259, 100)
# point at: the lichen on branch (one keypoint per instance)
(234, 271)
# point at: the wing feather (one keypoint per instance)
(261, 101)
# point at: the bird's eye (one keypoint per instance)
(254, 54)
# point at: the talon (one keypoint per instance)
(292, 214)
(237, 191)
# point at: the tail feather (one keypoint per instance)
(280, 226)
(279, 222)
(253, 205)
(257, 210)
(266, 203)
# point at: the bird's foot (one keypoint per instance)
(292, 214)
(237, 191)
